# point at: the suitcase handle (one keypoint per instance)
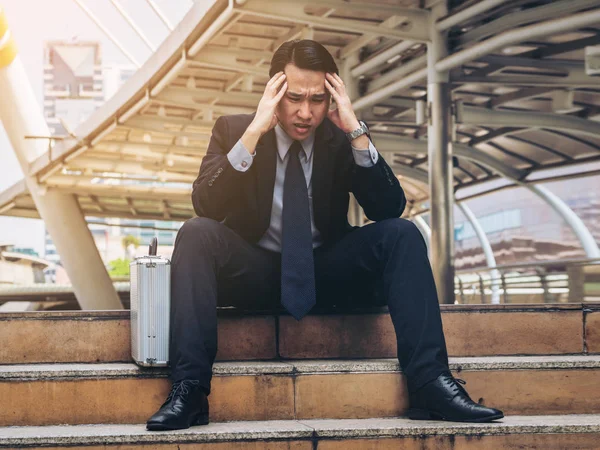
(153, 246)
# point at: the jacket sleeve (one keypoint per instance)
(218, 183)
(376, 188)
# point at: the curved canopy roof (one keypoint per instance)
(526, 110)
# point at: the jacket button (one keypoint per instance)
(244, 163)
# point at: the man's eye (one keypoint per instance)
(318, 100)
(294, 99)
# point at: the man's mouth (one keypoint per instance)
(301, 127)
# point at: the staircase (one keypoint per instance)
(330, 381)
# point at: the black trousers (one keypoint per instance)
(212, 265)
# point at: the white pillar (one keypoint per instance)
(581, 231)
(425, 231)
(22, 116)
(487, 250)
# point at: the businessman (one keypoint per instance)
(272, 202)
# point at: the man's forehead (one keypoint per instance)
(306, 91)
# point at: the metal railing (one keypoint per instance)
(563, 281)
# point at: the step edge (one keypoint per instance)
(125, 314)
(293, 429)
(295, 367)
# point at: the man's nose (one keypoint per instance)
(304, 111)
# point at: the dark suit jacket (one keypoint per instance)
(242, 200)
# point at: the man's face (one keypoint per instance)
(305, 103)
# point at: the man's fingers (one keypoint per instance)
(281, 92)
(331, 90)
(275, 77)
(336, 82)
(278, 83)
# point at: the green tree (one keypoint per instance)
(119, 268)
(130, 239)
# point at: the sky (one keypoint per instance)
(63, 20)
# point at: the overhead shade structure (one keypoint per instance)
(506, 63)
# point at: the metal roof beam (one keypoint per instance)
(185, 96)
(213, 50)
(513, 20)
(468, 13)
(397, 73)
(214, 59)
(294, 33)
(565, 65)
(160, 15)
(575, 78)
(519, 35)
(219, 109)
(84, 187)
(132, 24)
(131, 207)
(373, 61)
(396, 144)
(156, 147)
(384, 92)
(108, 34)
(522, 94)
(153, 168)
(410, 172)
(530, 119)
(416, 26)
(379, 58)
(160, 122)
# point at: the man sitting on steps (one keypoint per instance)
(272, 204)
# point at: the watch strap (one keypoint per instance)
(358, 132)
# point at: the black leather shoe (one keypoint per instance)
(185, 406)
(445, 399)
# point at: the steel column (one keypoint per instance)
(440, 163)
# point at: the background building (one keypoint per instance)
(76, 83)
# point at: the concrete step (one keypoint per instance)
(471, 330)
(514, 432)
(304, 389)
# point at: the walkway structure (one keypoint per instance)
(462, 100)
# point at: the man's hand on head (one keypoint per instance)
(343, 116)
(265, 118)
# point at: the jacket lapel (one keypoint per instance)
(266, 167)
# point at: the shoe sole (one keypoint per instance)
(202, 419)
(422, 414)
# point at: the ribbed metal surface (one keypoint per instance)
(150, 310)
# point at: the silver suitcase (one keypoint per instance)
(150, 278)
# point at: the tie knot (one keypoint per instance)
(296, 148)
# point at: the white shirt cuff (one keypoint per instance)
(366, 158)
(240, 158)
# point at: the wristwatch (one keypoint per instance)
(358, 132)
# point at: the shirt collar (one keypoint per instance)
(284, 142)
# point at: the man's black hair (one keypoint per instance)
(304, 54)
